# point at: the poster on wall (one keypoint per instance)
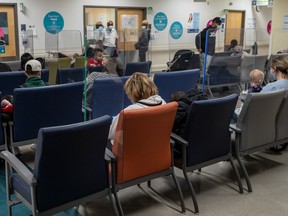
(193, 23)
(53, 22)
(176, 30)
(4, 27)
(160, 21)
(130, 24)
(285, 22)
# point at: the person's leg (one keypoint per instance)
(142, 56)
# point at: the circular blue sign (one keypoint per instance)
(176, 30)
(53, 22)
(160, 21)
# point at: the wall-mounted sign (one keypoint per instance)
(53, 22)
(160, 21)
(2, 49)
(176, 30)
(285, 22)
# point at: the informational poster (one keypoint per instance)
(130, 26)
(160, 21)
(4, 27)
(176, 30)
(285, 22)
(90, 32)
(193, 23)
(2, 49)
(251, 23)
(53, 22)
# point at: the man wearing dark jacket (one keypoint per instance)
(201, 41)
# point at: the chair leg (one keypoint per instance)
(237, 175)
(118, 204)
(245, 173)
(192, 192)
(179, 192)
(113, 204)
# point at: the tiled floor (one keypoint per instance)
(215, 188)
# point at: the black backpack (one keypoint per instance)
(184, 104)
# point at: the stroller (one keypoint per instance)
(184, 60)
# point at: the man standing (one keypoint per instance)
(108, 38)
(200, 41)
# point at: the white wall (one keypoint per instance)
(72, 12)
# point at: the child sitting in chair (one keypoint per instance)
(97, 60)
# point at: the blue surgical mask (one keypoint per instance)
(143, 27)
(110, 28)
(273, 74)
(100, 28)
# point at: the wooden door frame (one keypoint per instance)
(16, 29)
(242, 26)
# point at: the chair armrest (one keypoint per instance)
(19, 167)
(10, 123)
(235, 128)
(172, 143)
(178, 139)
(109, 156)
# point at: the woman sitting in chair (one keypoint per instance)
(142, 92)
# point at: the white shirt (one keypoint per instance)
(109, 38)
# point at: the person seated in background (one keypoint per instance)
(4, 67)
(25, 57)
(233, 43)
(279, 70)
(143, 93)
(96, 60)
(33, 72)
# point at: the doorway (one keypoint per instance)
(235, 24)
(9, 31)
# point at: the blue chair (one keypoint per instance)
(69, 168)
(45, 75)
(11, 80)
(132, 67)
(46, 106)
(69, 75)
(207, 139)
(168, 83)
(108, 96)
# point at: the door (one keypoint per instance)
(8, 30)
(235, 22)
(129, 27)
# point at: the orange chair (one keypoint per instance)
(142, 148)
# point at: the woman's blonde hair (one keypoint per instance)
(139, 87)
(280, 64)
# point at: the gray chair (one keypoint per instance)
(69, 169)
(250, 62)
(223, 71)
(255, 128)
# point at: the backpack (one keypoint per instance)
(184, 104)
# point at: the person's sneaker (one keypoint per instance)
(33, 146)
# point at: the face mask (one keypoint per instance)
(110, 28)
(273, 74)
(100, 28)
(143, 27)
(218, 27)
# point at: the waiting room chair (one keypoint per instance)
(206, 139)
(69, 75)
(223, 71)
(79, 62)
(11, 80)
(45, 106)
(132, 67)
(142, 148)
(69, 169)
(255, 128)
(250, 62)
(108, 96)
(45, 75)
(169, 83)
(64, 62)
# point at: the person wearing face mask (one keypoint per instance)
(200, 41)
(143, 42)
(109, 39)
(97, 35)
(279, 70)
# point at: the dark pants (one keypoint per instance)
(142, 55)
